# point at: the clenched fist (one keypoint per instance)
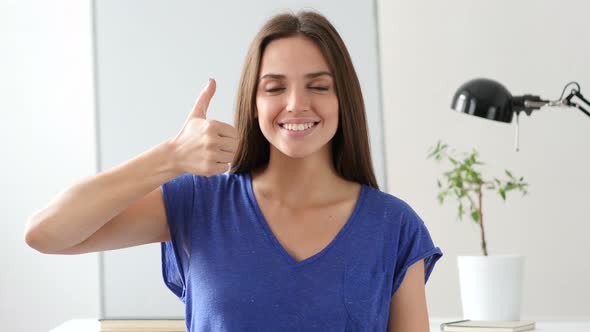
(204, 147)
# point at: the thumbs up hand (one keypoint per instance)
(204, 147)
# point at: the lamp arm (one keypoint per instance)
(529, 103)
(584, 106)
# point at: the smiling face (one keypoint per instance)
(296, 100)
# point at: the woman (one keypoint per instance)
(297, 236)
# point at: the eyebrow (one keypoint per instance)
(310, 75)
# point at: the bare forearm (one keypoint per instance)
(79, 211)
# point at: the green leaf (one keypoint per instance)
(475, 216)
(441, 196)
(458, 183)
(435, 151)
(431, 154)
(508, 173)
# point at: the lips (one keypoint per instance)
(298, 126)
(298, 129)
(299, 121)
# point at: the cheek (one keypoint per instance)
(331, 110)
(268, 111)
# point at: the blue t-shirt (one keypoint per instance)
(226, 265)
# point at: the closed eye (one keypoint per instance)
(320, 88)
(317, 88)
(274, 89)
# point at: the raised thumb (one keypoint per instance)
(202, 103)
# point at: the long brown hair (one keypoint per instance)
(350, 145)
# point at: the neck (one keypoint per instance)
(298, 182)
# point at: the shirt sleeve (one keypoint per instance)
(414, 245)
(178, 197)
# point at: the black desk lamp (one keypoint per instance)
(491, 100)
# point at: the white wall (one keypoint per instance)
(428, 49)
(46, 141)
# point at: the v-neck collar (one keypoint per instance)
(271, 236)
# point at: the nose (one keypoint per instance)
(298, 100)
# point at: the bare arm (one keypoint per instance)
(123, 207)
(98, 201)
(408, 310)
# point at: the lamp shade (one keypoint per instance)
(484, 98)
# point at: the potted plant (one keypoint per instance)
(491, 286)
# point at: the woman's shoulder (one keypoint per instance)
(213, 183)
(218, 179)
(208, 192)
(391, 205)
(385, 199)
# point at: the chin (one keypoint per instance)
(296, 154)
(301, 152)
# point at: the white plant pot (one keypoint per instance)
(491, 286)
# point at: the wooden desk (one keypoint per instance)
(92, 325)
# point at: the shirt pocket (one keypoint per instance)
(366, 299)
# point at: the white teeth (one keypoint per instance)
(298, 127)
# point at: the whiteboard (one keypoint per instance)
(152, 58)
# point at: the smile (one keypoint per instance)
(298, 129)
(298, 126)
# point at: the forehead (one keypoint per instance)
(296, 55)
